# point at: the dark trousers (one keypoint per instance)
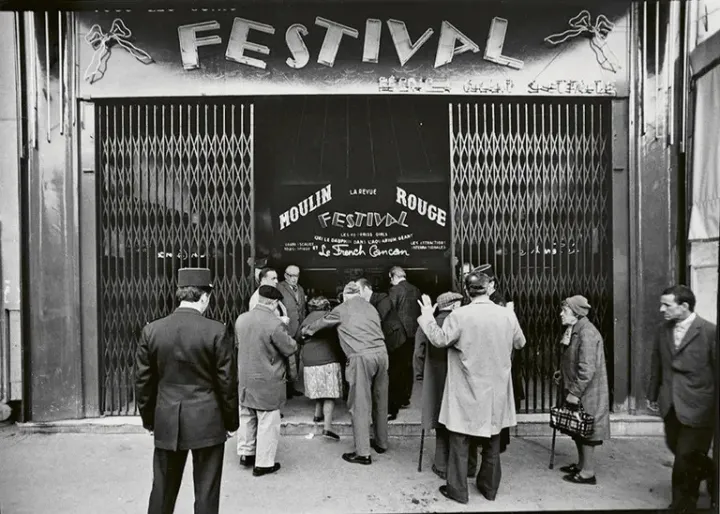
(401, 377)
(684, 441)
(488, 479)
(442, 453)
(168, 469)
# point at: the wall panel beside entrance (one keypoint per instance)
(175, 189)
(530, 194)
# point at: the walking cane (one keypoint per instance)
(422, 444)
(552, 449)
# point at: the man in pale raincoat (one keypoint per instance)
(478, 397)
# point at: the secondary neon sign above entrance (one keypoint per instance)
(405, 48)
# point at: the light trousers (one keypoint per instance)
(367, 375)
(258, 435)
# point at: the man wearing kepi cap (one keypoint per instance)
(361, 338)
(478, 399)
(263, 344)
(186, 391)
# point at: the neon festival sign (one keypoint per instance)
(239, 42)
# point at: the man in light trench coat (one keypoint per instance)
(478, 397)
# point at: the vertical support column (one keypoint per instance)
(621, 254)
(10, 154)
(653, 186)
(88, 260)
(53, 344)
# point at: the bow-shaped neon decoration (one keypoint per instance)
(102, 42)
(598, 31)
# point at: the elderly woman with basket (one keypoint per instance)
(584, 384)
(322, 359)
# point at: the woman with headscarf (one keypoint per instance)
(322, 357)
(584, 381)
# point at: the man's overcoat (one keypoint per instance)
(478, 396)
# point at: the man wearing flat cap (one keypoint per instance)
(263, 345)
(478, 397)
(361, 338)
(186, 390)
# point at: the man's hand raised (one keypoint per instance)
(427, 308)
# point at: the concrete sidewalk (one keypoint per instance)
(298, 414)
(93, 473)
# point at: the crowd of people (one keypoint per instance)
(198, 382)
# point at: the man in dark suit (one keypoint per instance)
(395, 339)
(405, 297)
(682, 388)
(186, 390)
(296, 306)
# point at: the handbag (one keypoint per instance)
(572, 421)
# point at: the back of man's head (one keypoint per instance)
(476, 284)
(397, 272)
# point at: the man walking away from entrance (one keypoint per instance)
(263, 344)
(186, 392)
(361, 338)
(405, 298)
(395, 339)
(478, 396)
(683, 379)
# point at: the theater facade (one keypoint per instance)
(345, 139)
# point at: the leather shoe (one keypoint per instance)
(247, 460)
(392, 417)
(570, 468)
(439, 473)
(258, 472)
(357, 459)
(577, 479)
(318, 419)
(377, 448)
(444, 491)
(331, 435)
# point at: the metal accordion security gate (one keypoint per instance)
(175, 189)
(530, 195)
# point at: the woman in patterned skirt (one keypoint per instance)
(322, 358)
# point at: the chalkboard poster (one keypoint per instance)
(337, 225)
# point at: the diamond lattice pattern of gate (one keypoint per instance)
(175, 191)
(530, 195)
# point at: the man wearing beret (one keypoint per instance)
(186, 390)
(478, 397)
(263, 345)
(361, 338)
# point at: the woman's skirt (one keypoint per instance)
(323, 381)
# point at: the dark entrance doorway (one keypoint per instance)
(355, 144)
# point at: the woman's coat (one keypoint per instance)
(584, 375)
